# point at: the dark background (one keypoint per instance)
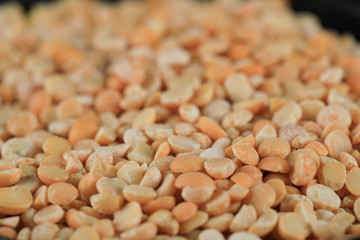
(340, 15)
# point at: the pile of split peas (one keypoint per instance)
(177, 119)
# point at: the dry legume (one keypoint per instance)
(230, 120)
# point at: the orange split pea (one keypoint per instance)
(82, 129)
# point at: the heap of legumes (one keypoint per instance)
(176, 119)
